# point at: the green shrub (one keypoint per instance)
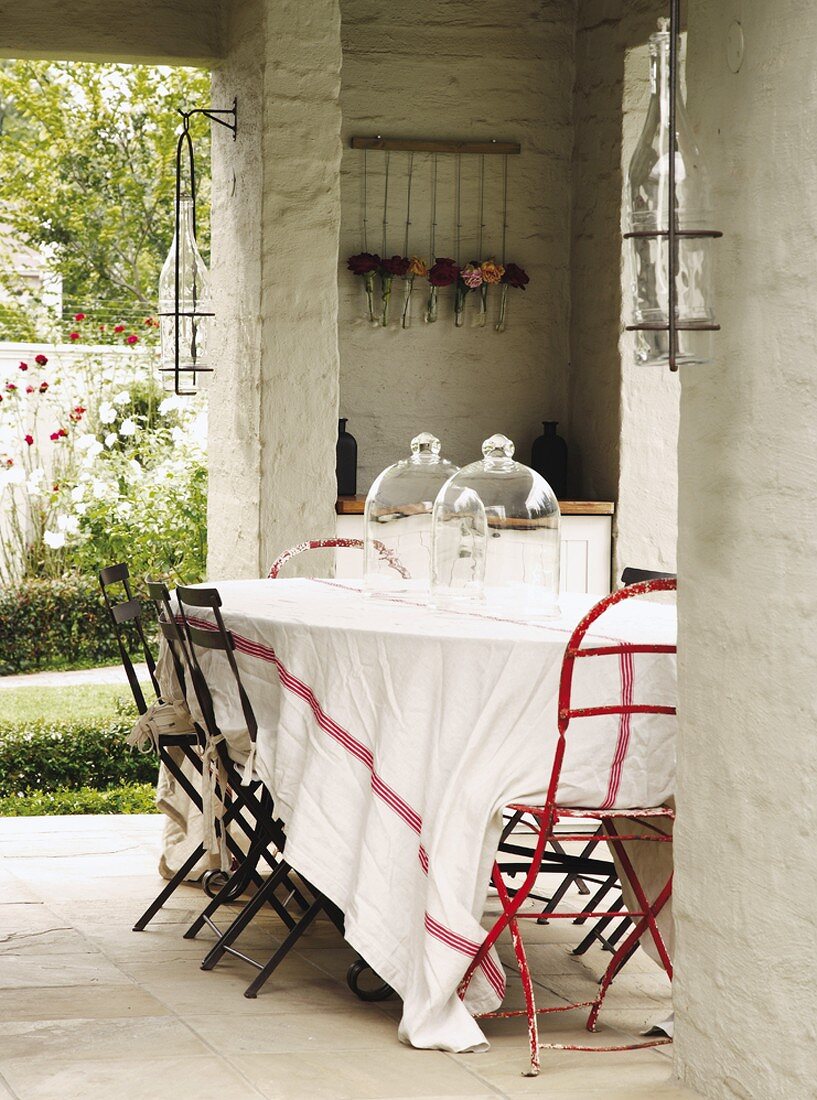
(55, 623)
(45, 756)
(133, 798)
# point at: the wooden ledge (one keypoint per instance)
(353, 506)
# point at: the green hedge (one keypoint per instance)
(134, 798)
(54, 624)
(46, 756)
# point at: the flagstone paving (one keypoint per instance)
(91, 1010)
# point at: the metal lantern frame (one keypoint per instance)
(229, 119)
(673, 232)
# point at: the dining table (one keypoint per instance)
(391, 735)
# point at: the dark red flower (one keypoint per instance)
(79, 317)
(119, 328)
(23, 366)
(55, 488)
(149, 322)
(363, 263)
(80, 409)
(73, 336)
(29, 439)
(30, 389)
(397, 265)
(101, 328)
(43, 387)
(41, 360)
(515, 276)
(54, 437)
(63, 432)
(76, 414)
(10, 387)
(444, 272)
(132, 339)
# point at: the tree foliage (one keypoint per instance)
(87, 169)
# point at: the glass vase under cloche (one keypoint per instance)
(194, 309)
(495, 537)
(397, 517)
(648, 217)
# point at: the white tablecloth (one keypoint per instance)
(392, 734)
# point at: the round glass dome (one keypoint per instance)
(495, 537)
(397, 520)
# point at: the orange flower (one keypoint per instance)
(492, 272)
(418, 267)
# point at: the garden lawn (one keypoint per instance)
(63, 751)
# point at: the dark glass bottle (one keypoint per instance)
(549, 458)
(346, 461)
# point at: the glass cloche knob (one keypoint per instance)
(425, 443)
(498, 446)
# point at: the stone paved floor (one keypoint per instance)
(90, 1010)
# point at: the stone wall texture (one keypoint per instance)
(186, 32)
(463, 69)
(745, 893)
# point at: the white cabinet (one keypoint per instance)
(586, 551)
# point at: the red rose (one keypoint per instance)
(80, 409)
(43, 387)
(119, 328)
(54, 437)
(363, 263)
(30, 389)
(444, 272)
(10, 387)
(515, 276)
(40, 360)
(79, 317)
(24, 366)
(62, 432)
(149, 322)
(73, 336)
(132, 339)
(29, 439)
(101, 328)
(397, 265)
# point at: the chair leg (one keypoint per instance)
(308, 917)
(162, 897)
(243, 919)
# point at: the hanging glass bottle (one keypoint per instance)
(648, 215)
(185, 320)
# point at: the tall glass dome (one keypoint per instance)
(495, 537)
(397, 520)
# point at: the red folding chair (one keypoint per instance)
(643, 818)
(383, 551)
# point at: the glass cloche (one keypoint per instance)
(397, 520)
(495, 537)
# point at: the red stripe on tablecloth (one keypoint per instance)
(626, 665)
(379, 787)
(469, 948)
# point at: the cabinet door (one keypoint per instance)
(586, 548)
(586, 554)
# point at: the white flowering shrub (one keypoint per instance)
(95, 468)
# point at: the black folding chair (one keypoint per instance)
(633, 576)
(203, 634)
(126, 616)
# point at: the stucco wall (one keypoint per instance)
(274, 399)
(463, 69)
(745, 892)
(160, 31)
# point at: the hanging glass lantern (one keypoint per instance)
(669, 221)
(185, 301)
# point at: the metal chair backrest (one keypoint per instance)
(207, 635)
(574, 652)
(169, 629)
(633, 576)
(383, 551)
(123, 614)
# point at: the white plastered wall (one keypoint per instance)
(746, 889)
(458, 70)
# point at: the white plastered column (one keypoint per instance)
(276, 220)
